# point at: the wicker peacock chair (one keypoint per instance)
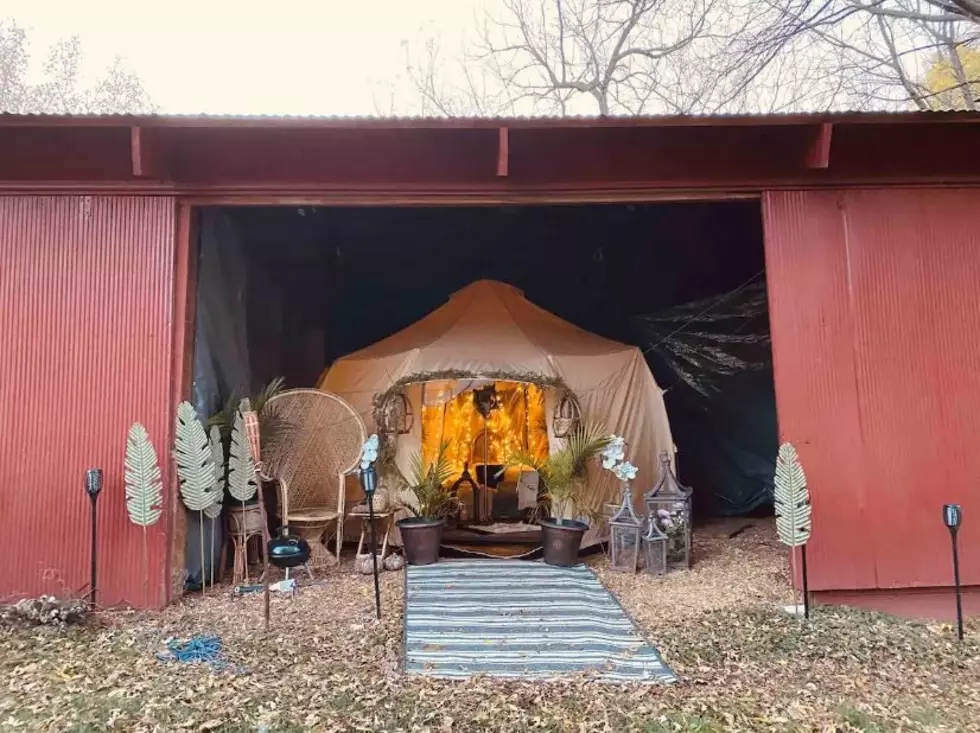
(311, 440)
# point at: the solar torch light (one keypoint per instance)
(93, 485)
(953, 518)
(369, 483)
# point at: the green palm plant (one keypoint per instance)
(564, 471)
(144, 489)
(224, 419)
(426, 481)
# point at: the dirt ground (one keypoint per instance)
(327, 665)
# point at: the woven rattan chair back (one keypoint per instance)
(311, 439)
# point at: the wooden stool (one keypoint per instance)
(244, 524)
(388, 522)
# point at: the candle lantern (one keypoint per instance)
(625, 530)
(654, 548)
(669, 503)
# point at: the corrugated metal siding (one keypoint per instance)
(86, 313)
(875, 316)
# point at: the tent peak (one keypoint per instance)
(488, 285)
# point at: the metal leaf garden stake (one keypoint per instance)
(144, 491)
(214, 511)
(93, 485)
(792, 505)
(242, 479)
(195, 469)
(953, 518)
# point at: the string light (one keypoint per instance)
(505, 427)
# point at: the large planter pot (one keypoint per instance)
(421, 537)
(562, 539)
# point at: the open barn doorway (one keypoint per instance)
(285, 291)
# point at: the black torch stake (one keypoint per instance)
(953, 518)
(93, 485)
(806, 586)
(369, 482)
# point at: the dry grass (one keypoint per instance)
(328, 666)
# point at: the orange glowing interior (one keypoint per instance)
(517, 426)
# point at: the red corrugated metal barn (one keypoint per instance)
(872, 258)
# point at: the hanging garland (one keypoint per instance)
(386, 451)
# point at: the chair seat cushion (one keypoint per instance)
(311, 515)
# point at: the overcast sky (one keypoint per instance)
(222, 56)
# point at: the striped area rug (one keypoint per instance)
(511, 618)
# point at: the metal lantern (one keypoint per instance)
(654, 548)
(669, 503)
(567, 415)
(464, 481)
(625, 530)
(397, 417)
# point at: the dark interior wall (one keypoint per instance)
(313, 284)
(328, 281)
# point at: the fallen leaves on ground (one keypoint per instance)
(328, 665)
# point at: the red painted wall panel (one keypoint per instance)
(86, 317)
(875, 315)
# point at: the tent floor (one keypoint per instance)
(463, 536)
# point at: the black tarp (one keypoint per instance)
(289, 289)
(713, 358)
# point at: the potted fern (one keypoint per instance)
(564, 474)
(422, 532)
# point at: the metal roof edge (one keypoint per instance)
(368, 122)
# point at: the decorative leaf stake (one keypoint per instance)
(144, 491)
(792, 504)
(242, 479)
(214, 511)
(195, 467)
(218, 460)
(195, 460)
(791, 499)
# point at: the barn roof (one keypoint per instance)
(421, 160)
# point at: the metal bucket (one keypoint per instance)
(421, 537)
(562, 540)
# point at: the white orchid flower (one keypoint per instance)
(625, 471)
(369, 451)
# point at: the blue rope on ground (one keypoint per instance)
(200, 649)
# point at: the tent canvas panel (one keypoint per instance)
(489, 330)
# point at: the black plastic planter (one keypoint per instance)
(421, 537)
(562, 539)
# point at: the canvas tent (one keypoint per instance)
(488, 331)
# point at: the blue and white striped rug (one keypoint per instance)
(512, 618)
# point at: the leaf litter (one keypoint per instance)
(328, 665)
